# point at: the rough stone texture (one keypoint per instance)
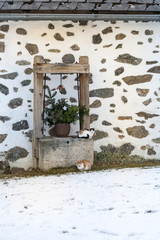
(120, 36)
(2, 47)
(96, 104)
(23, 62)
(51, 26)
(156, 140)
(28, 71)
(146, 115)
(16, 153)
(4, 90)
(109, 148)
(103, 70)
(147, 102)
(119, 71)
(32, 48)
(99, 135)
(142, 92)
(134, 32)
(4, 28)
(148, 32)
(54, 50)
(21, 31)
(73, 100)
(58, 37)
(4, 118)
(124, 99)
(137, 79)
(154, 69)
(16, 102)
(10, 76)
(127, 58)
(107, 30)
(102, 93)
(25, 82)
(118, 83)
(151, 62)
(29, 134)
(16, 170)
(64, 152)
(68, 59)
(117, 129)
(2, 36)
(96, 39)
(137, 131)
(70, 25)
(105, 123)
(4, 167)
(125, 118)
(23, 124)
(126, 148)
(75, 47)
(93, 118)
(3, 137)
(151, 151)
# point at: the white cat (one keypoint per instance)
(83, 165)
(85, 133)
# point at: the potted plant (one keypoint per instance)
(61, 114)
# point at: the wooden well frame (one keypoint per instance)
(41, 68)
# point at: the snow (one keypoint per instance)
(107, 205)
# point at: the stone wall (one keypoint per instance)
(124, 82)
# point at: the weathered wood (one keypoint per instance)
(38, 109)
(62, 68)
(84, 93)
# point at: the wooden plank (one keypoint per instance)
(84, 93)
(38, 109)
(62, 68)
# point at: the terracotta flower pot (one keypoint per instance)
(62, 129)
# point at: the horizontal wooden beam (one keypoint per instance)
(62, 68)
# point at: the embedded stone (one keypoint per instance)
(96, 39)
(103, 70)
(146, 115)
(3, 89)
(23, 63)
(156, 140)
(109, 148)
(69, 34)
(147, 102)
(105, 123)
(4, 167)
(51, 26)
(119, 46)
(151, 151)
(125, 118)
(29, 134)
(69, 25)
(96, 104)
(151, 62)
(16, 153)
(127, 58)
(107, 30)
(107, 46)
(119, 71)
(73, 100)
(11, 76)
(93, 118)
(142, 92)
(127, 148)
(137, 79)
(154, 69)
(15, 170)
(68, 59)
(124, 99)
(118, 83)
(75, 47)
(102, 93)
(117, 129)
(54, 50)
(32, 48)
(158, 99)
(152, 125)
(23, 124)
(21, 31)
(148, 32)
(4, 118)
(58, 37)
(120, 36)
(137, 131)
(14, 103)
(99, 135)
(25, 82)
(28, 71)
(2, 47)
(134, 32)
(4, 28)
(83, 23)
(103, 60)
(3, 137)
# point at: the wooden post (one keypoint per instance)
(84, 92)
(38, 109)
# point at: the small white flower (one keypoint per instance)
(64, 108)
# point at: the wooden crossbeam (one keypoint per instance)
(62, 68)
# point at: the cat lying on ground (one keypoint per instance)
(83, 165)
(85, 133)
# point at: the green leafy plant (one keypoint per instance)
(59, 111)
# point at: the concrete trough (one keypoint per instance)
(64, 152)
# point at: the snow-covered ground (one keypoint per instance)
(113, 204)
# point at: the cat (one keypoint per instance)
(85, 133)
(83, 165)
